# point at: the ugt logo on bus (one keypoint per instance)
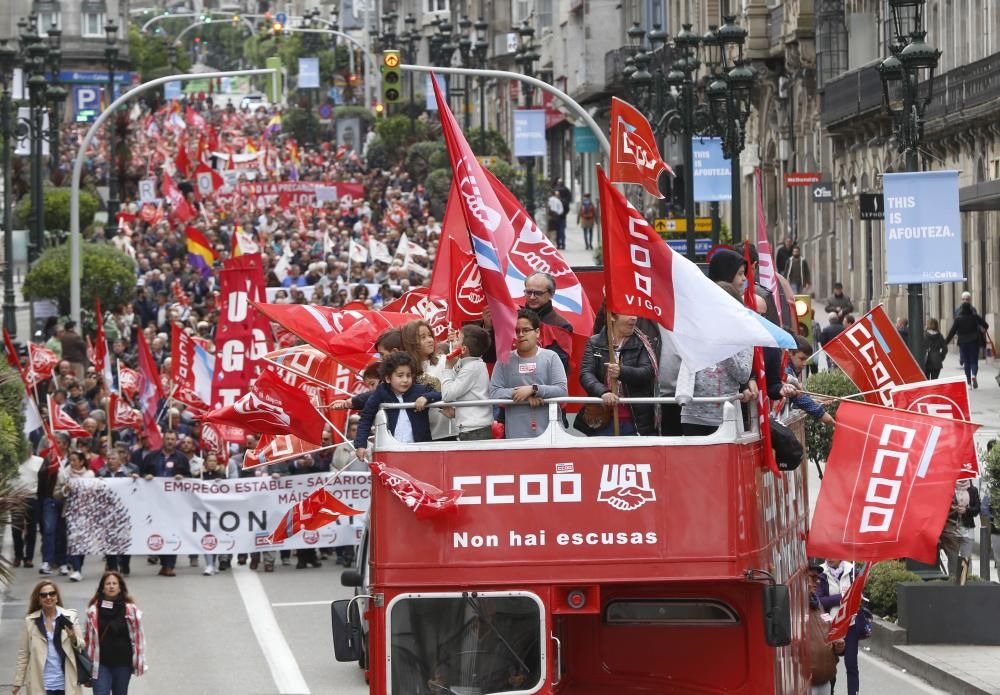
(625, 486)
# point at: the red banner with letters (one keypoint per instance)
(298, 193)
(872, 353)
(888, 484)
(944, 398)
(243, 336)
(635, 158)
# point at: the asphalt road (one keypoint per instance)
(259, 634)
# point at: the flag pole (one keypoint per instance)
(612, 359)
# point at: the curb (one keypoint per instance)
(885, 640)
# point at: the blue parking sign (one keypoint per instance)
(86, 102)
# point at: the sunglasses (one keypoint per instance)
(47, 594)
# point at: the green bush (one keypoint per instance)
(377, 155)
(881, 586)
(424, 157)
(57, 209)
(395, 132)
(107, 273)
(494, 143)
(13, 445)
(819, 437)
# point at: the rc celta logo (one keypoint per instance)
(625, 486)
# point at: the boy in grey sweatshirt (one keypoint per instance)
(530, 375)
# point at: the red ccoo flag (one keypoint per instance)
(121, 414)
(149, 392)
(635, 158)
(889, 481)
(317, 510)
(423, 499)
(179, 207)
(490, 230)
(271, 406)
(102, 361)
(874, 356)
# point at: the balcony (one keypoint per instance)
(614, 66)
(959, 91)
(853, 94)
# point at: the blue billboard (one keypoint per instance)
(713, 173)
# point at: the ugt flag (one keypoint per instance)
(889, 481)
(635, 158)
(645, 277)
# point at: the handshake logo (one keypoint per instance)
(626, 486)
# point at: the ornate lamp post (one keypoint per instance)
(481, 47)
(56, 95)
(911, 62)
(412, 39)
(729, 97)
(111, 59)
(34, 52)
(8, 58)
(464, 44)
(526, 58)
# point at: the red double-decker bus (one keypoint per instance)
(585, 566)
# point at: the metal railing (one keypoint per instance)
(850, 95)
(567, 400)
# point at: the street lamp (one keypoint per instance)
(481, 47)
(911, 60)
(56, 95)
(526, 58)
(8, 58)
(111, 58)
(34, 54)
(412, 39)
(729, 96)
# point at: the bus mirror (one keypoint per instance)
(346, 636)
(777, 616)
(350, 578)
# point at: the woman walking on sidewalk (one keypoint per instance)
(115, 640)
(45, 660)
(969, 327)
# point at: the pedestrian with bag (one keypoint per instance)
(586, 214)
(935, 349)
(116, 644)
(51, 644)
(822, 655)
(971, 330)
(838, 575)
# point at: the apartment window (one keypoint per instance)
(544, 14)
(831, 40)
(93, 24)
(437, 5)
(656, 13)
(48, 15)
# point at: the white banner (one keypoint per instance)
(191, 516)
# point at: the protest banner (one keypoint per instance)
(265, 193)
(243, 337)
(189, 516)
(712, 171)
(923, 227)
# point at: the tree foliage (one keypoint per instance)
(148, 53)
(819, 437)
(377, 155)
(302, 124)
(107, 273)
(13, 445)
(436, 188)
(57, 209)
(424, 157)
(492, 144)
(398, 133)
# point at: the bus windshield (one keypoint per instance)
(466, 644)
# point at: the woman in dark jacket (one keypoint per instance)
(635, 373)
(969, 327)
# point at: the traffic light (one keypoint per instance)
(804, 314)
(391, 78)
(379, 109)
(278, 27)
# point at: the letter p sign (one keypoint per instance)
(86, 102)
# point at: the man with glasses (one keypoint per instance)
(556, 332)
(530, 375)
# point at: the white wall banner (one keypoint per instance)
(189, 516)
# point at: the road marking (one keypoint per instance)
(302, 603)
(284, 668)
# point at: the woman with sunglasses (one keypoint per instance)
(45, 661)
(115, 640)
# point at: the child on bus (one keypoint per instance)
(797, 361)
(465, 379)
(398, 386)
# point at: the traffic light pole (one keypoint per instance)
(534, 82)
(75, 265)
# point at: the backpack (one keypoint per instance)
(587, 210)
